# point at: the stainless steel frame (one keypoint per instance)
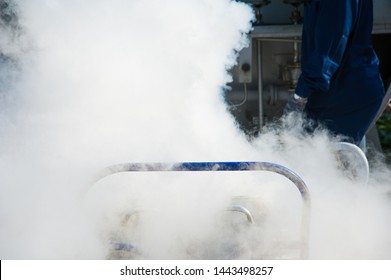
(228, 166)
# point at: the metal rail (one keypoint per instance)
(243, 210)
(227, 166)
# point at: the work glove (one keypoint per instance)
(295, 103)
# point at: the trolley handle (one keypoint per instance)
(226, 166)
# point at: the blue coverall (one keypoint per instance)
(340, 74)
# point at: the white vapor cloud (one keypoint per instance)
(105, 82)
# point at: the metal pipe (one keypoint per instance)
(227, 166)
(296, 54)
(245, 98)
(243, 210)
(260, 98)
(282, 40)
(209, 166)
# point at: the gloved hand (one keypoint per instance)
(295, 103)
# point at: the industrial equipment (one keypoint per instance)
(127, 249)
(267, 71)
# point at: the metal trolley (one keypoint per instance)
(220, 167)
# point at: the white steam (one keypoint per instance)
(106, 82)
